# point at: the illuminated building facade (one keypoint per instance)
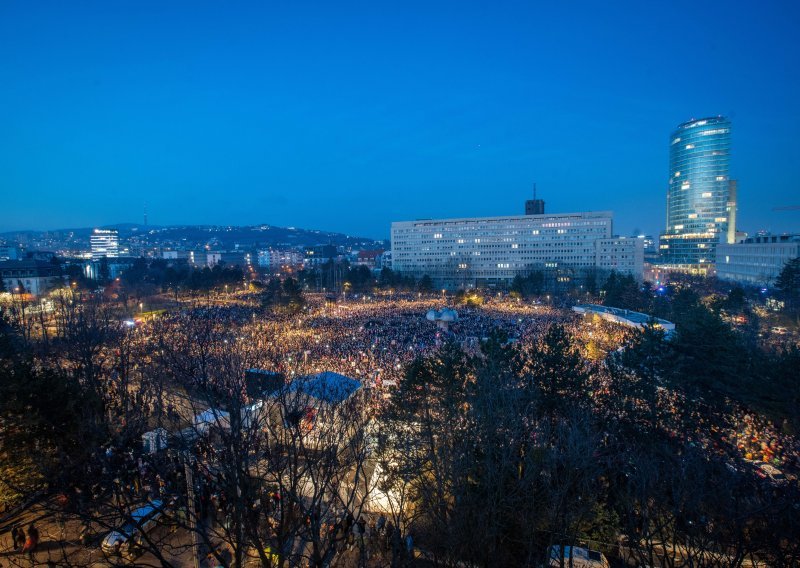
(756, 260)
(489, 251)
(701, 198)
(105, 243)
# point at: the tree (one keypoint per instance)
(387, 277)
(623, 291)
(788, 283)
(558, 370)
(425, 284)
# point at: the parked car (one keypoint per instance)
(123, 540)
(577, 557)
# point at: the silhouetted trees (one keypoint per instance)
(788, 283)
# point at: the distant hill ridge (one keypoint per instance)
(224, 235)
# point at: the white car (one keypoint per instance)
(142, 519)
(580, 557)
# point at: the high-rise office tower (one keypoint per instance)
(700, 203)
(105, 243)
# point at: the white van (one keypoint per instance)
(144, 519)
(581, 557)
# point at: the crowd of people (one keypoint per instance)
(372, 339)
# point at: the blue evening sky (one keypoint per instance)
(345, 117)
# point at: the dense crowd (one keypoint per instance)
(373, 339)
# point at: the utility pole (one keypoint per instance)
(192, 516)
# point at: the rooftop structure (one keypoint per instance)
(327, 386)
(624, 317)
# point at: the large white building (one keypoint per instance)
(623, 254)
(756, 260)
(29, 276)
(488, 251)
(105, 243)
(276, 258)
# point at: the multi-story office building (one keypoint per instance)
(105, 243)
(756, 260)
(701, 199)
(622, 254)
(488, 251)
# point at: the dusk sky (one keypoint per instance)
(346, 117)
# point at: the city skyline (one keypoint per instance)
(268, 116)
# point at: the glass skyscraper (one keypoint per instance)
(699, 200)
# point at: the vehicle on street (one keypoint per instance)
(144, 519)
(576, 557)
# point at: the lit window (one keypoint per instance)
(685, 185)
(535, 232)
(720, 178)
(437, 235)
(676, 140)
(689, 146)
(720, 219)
(514, 246)
(713, 132)
(706, 194)
(677, 174)
(692, 215)
(678, 227)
